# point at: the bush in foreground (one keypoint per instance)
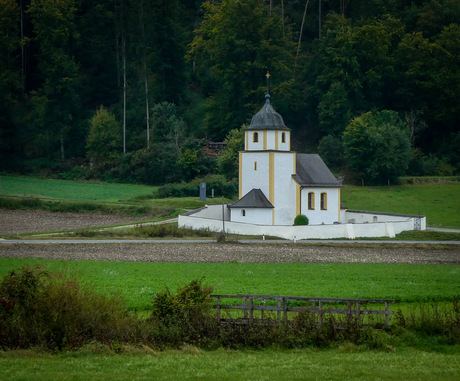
(39, 308)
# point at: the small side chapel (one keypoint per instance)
(277, 184)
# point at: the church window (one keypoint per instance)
(283, 137)
(243, 213)
(323, 201)
(255, 166)
(255, 137)
(311, 201)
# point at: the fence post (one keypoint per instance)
(358, 311)
(245, 311)
(218, 308)
(320, 306)
(251, 310)
(278, 304)
(349, 312)
(285, 309)
(387, 314)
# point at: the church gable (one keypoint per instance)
(253, 199)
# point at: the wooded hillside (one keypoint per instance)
(131, 90)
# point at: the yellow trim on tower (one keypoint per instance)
(298, 200)
(265, 139)
(276, 140)
(240, 174)
(271, 182)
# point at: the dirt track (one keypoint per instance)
(32, 221)
(36, 221)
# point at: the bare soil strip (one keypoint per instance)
(34, 221)
(224, 253)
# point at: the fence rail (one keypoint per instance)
(284, 306)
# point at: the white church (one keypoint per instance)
(277, 184)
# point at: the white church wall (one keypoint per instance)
(258, 216)
(318, 216)
(254, 168)
(284, 188)
(350, 231)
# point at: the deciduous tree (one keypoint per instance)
(377, 146)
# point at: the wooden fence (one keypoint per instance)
(255, 307)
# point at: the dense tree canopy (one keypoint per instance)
(177, 73)
(377, 146)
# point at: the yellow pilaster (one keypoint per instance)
(298, 200)
(276, 140)
(265, 139)
(246, 143)
(271, 182)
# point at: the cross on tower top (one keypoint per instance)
(268, 78)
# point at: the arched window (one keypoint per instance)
(243, 213)
(283, 137)
(323, 201)
(311, 201)
(255, 137)
(255, 166)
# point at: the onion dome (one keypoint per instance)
(267, 118)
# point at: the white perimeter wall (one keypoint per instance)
(398, 224)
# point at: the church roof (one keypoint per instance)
(267, 118)
(255, 198)
(312, 172)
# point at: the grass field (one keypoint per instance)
(71, 190)
(64, 195)
(343, 363)
(137, 282)
(439, 202)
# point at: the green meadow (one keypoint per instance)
(137, 282)
(343, 363)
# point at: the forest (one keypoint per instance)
(134, 91)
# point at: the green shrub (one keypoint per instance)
(301, 219)
(186, 317)
(38, 308)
